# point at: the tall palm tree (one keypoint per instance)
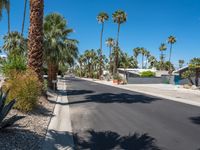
(35, 38)
(143, 51)
(15, 44)
(24, 17)
(119, 17)
(147, 54)
(136, 52)
(102, 17)
(162, 48)
(110, 42)
(58, 48)
(5, 4)
(171, 41)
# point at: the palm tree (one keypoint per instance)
(35, 39)
(5, 4)
(152, 60)
(195, 66)
(24, 17)
(181, 62)
(171, 41)
(162, 48)
(110, 42)
(119, 17)
(136, 52)
(143, 52)
(147, 54)
(102, 17)
(58, 48)
(15, 44)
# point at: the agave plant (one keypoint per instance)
(5, 109)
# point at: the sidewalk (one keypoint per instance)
(59, 135)
(166, 91)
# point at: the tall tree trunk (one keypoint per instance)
(35, 39)
(24, 17)
(197, 77)
(110, 59)
(8, 12)
(170, 54)
(101, 57)
(117, 54)
(52, 75)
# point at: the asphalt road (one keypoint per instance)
(104, 117)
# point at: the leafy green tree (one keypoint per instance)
(188, 75)
(119, 17)
(102, 17)
(195, 66)
(152, 60)
(171, 41)
(58, 47)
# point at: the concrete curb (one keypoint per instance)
(185, 101)
(59, 134)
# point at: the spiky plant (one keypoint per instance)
(5, 109)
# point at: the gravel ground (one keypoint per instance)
(29, 132)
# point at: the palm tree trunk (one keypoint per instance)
(116, 53)
(35, 39)
(24, 17)
(146, 62)
(197, 77)
(110, 59)
(101, 38)
(52, 75)
(170, 54)
(8, 12)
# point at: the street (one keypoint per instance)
(105, 117)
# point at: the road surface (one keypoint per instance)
(104, 117)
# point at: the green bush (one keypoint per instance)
(17, 63)
(147, 74)
(26, 88)
(117, 77)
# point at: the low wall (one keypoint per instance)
(145, 80)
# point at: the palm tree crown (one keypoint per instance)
(119, 16)
(102, 17)
(162, 47)
(171, 39)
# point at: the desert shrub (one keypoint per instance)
(147, 74)
(117, 77)
(17, 63)
(26, 88)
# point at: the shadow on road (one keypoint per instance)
(195, 120)
(78, 92)
(108, 140)
(116, 98)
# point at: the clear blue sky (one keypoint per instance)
(149, 23)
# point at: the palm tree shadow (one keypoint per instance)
(108, 140)
(195, 120)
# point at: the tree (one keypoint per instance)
(110, 42)
(181, 62)
(171, 41)
(24, 17)
(188, 75)
(147, 54)
(35, 38)
(119, 17)
(102, 17)
(152, 60)
(195, 66)
(143, 52)
(15, 44)
(162, 48)
(136, 52)
(5, 4)
(59, 49)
